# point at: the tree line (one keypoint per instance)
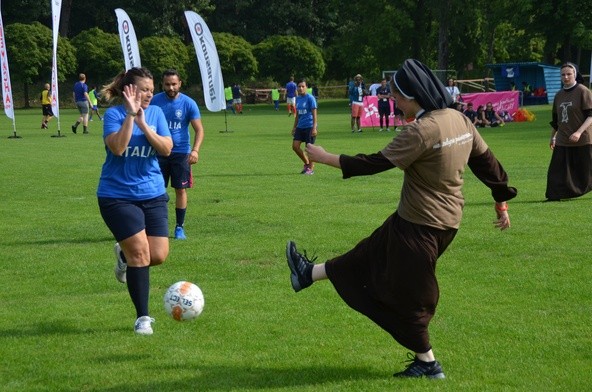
(318, 39)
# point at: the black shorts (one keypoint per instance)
(304, 135)
(128, 217)
(384, 110)
(46, 109)
(176, 167)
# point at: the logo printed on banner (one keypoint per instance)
(204, 48)
(129, 42)
(209, 63)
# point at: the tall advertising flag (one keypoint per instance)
(209, 64)
(6, 87)
(56, 9)
(129, 43)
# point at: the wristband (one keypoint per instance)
(133, 114)
(501, 209)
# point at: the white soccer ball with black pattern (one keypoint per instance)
(184, 301)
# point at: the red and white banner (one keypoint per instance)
(56, 9)
(129, 42)
(6, 87)
(209, 63)
(508, 101)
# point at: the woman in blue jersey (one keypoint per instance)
(131, 193)
(305, 125)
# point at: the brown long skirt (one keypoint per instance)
(390, 277)
(570, 172)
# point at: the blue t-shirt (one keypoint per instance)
(304, 106)
(178, 112)
(291, 90)
(79, 89)
(136, 174)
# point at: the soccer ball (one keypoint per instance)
(184, 301)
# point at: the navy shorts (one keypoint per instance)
(176, 168)
(304, 135)
(128, 217)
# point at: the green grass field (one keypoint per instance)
(515, 310)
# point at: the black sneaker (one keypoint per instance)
(419, 368)
(300, 267)
(73, 129)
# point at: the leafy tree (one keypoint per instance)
(256, 20)
(161, 53)
(99, 54)
(280, 56)
(236, 56)
(29, 50)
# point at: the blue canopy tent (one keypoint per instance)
(539, 76)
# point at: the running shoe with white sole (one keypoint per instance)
(143, 325)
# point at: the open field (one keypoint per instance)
(515, 310)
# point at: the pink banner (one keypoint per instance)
(508, 101)
(370, 117)
(502, 101)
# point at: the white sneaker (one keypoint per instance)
(143, 325)
(120, 266)
(380, 130)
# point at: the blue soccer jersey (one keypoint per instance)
(178, 112)
(136, 174)
(291, 88)
(304, 106)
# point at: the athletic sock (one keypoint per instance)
(138, 286)
(180, 215)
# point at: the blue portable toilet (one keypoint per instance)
(539, 76)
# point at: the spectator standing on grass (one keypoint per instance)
(237, 98)
(82, 100)
(180, 112)
(453, 90)
(383, 94)
(390, 277)
(94, 101)
(374, 87)
(228, 97)
(570, 169)
(356, 97)
(305, 125)
(291, 96)
(275, 97)
(45, 99)
(131, 193)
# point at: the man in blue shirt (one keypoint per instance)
(305, 125)
(291, 96)
(180, 111)
(82, 100)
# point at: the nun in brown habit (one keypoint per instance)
(390, 276)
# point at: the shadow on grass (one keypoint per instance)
(228, 377)
(61, 241)
(41, 329)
